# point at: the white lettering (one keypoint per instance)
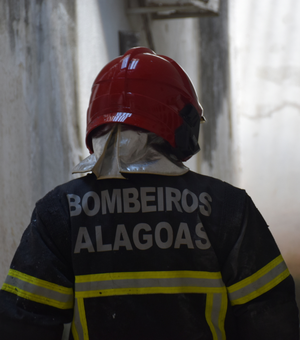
(185, 206)
(205, 198)
(147, 198)
(99, 240)
(169, 240)
(95, 199)
(111, 203)
(122, 238)
(130, 200)
(173, 196)
(83, 241)
(183, 236)
(146, 237)
(74, 205)
(160, 199)
(143, 238)
(143, 200)
(203, 243)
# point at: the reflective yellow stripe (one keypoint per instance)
(36, 298)
(150, 290)
(79, 324)
(208, 311)
(156, 282)
(76, 323)
(37, 290)
(222, 315)
(215, 312)
(259, 283)
(256, 276)
(135, 283)
(74, 331)
(261, 290)
(39, 282)
(148, 275)
(83, 319)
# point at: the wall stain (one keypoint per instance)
(14, 14)
(262, 114)
(280, 75)
(214, 66)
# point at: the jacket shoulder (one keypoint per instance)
(228, 209)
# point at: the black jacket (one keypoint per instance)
(149, 257)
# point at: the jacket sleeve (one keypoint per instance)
(37, 296)
(260, 288)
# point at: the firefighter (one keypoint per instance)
(141, 247)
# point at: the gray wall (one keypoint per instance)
(218, 156)
(38, 111)
(265, 77)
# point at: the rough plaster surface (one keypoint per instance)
(97, 32)
(265, 70)
(179, 39)
(218, 158)
(38, 112)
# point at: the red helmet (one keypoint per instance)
(149, 91)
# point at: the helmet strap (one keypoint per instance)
(186, 136)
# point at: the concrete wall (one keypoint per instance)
(201, 47)
(218, 133)
(179, 39)
(38, 111)
(97, 35)
(265, 71)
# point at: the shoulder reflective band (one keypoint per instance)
(259, 283)
(41, 291)
(132, 283)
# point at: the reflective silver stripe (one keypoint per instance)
(216, 307)
(259, 283)
(162, 282)
(215, 312)
(37, 293)
(78, 321)
(147, 283)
